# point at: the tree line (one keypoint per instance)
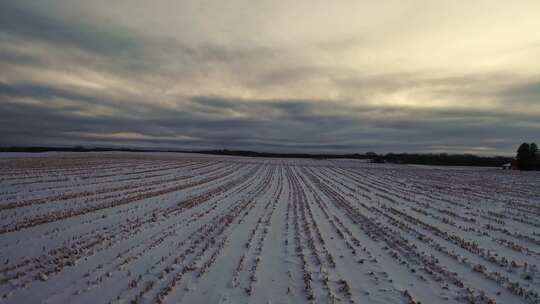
(527, 156)
(441, 159)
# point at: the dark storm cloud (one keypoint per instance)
(111, 47)
(42, 92)
(24, 19)
(295, 127)
(17, 58)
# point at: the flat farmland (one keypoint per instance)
(189, 228)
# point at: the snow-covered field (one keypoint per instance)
(181, 228)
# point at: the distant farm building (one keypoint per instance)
(513, 165)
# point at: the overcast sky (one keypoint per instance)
(280, 75)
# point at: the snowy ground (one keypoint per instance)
(180, 228)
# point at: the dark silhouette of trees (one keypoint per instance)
(445, 159)
(441, 159)
(528, 157)
(534, 151)
(523, 156)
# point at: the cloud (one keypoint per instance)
(527, 93)
(128, 73)
(24, 20)
(274, 125)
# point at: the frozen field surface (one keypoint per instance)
(188, 228)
